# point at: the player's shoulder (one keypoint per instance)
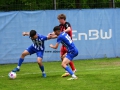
(67, 24)
(60, 24)
(40, 36)
(61, 34)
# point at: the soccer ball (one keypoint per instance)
(12, 75)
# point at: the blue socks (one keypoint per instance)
(42, 68)
(20, 62)
(69, 70)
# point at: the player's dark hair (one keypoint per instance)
(61, 16)
(56, 28)
(32, 33)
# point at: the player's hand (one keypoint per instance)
(49, 37)
(51, 46)
(23, 33)
(49, 34)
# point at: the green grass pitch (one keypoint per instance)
(98, 74)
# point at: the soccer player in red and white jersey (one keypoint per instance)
(64, 27)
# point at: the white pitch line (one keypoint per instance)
(63, 71)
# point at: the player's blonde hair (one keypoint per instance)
(61, 16)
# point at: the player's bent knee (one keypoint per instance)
(63, 64)
(39, 63)
(25, 53)
(39, 60)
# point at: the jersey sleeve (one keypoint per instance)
(67, 25)
(58, 40)
(42, 37)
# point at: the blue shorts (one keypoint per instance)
(32, 50)
(72, 53)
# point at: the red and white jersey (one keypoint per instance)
(64, 27)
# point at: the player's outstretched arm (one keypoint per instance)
(54, 46)
(48, 37)
(52, 35)
(25, 33)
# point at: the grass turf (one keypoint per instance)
(98, 74)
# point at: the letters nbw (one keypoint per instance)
(92, 35)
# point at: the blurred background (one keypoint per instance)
(16, 5)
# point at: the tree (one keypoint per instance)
(11, 5)
(77, 4)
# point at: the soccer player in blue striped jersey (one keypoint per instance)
(72, 52)
(37, 47)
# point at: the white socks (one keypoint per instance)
(43, 72)
(18, 67)
(74, 76)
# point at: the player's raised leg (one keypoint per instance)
(72, 50)
(63, 54)
(66, 73)
(67, 68)
(41, 66)
(21, 59)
